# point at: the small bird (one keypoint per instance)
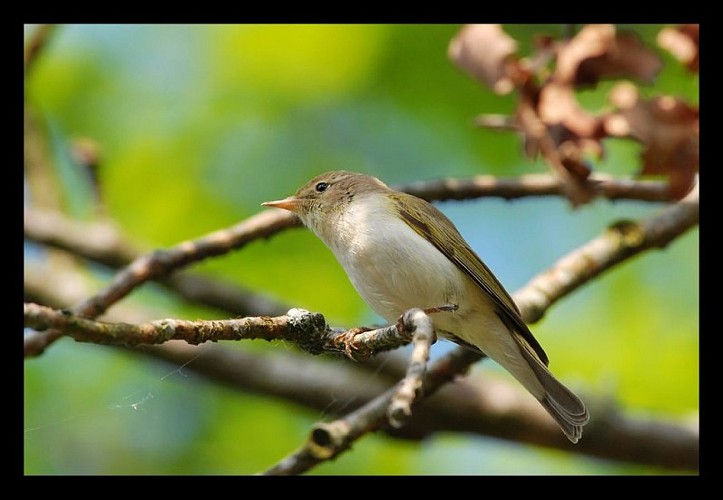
(401, 252)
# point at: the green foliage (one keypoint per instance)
(200, 124)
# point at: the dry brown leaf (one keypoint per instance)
(562, 149)
(591, 41)
(597, 52)
(550, 118)
(487, 53)
(557, 105)
(667, 127)
(683, 43)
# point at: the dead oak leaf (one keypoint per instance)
(557, 104)
(683, 43)
(598, 52)
(667, 127)
(562, 148)
(487, 53)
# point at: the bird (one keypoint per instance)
(401, 252)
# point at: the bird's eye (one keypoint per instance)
(322, 186)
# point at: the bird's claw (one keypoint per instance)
(401, 328)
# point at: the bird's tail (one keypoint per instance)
(561, 403)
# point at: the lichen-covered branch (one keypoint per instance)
(307, 330)
(298, 326)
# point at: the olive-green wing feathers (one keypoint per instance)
(448, 241)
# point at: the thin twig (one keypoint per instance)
(39, 170)
(328, 440)
(496, 122)
(410, 387)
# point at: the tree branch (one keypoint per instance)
(533, 185)
(409, 389)
(56, 230)
(162, 262)
(494, 408)
(103, 243)
(622, 241)
(307, 330)
(474, 404)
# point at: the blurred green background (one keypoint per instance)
(200, 124)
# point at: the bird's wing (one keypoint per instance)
(448, 241)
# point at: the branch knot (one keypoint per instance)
(313, 329)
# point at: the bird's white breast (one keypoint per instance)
(391, 266)
(395, 269)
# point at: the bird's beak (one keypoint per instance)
(291, 203)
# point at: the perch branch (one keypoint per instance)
(298, 326)
(307, 330)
